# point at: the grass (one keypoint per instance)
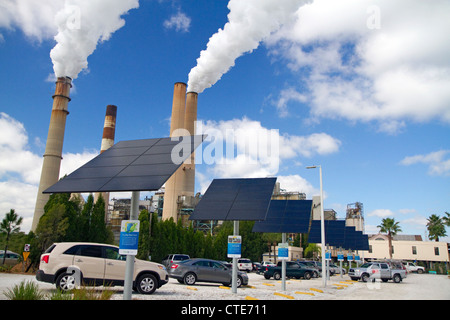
(26, 290)
(29, 290)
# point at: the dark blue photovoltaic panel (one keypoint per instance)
(135, 165)
(350, 238)
(235, 199)
(286, 216)
(334, 232)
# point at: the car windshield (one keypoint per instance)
(366, 265)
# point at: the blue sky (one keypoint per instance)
(359, 87)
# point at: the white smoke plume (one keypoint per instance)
(82, 24)
(249, 23)
(76, 25)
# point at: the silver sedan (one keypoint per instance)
(204, 270)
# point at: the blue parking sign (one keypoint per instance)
(129, 237)
(234, 246)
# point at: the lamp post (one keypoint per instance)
(322, 228)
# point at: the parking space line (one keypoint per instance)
(283, 295)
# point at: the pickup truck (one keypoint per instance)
(412, 267)
(293, 270)
(378, 270)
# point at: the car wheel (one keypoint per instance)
(266, 276)
(397, 278)
(365, 277)
(307, 275)
(277, 276)
(146, 284)
(189, 278)
(238, 282)
(419, 271)
(65, 282)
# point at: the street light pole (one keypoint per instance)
(322, 227)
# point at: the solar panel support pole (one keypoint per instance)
(234, 273)
(283, 266)
(129, 267)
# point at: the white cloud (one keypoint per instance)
(438, 162)
(180, 22)
(244, 148)
(247, 160)
(20, 169)
(389, 73)
(381, 213)
(34, 18)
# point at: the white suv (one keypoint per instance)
(66, 263)
(245, 264)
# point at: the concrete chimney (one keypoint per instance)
(189, 124)
(109, 131)
(54, 145)
(175, 184)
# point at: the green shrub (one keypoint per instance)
(26, 290)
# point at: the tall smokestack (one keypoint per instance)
(109, 131)
(54, 145)
(189, 124)
(175, 184)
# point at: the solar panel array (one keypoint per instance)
(235, 199)
(135, 165)
(286, 216)
(338, 235)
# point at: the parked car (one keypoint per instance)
(11, 258)
(335, 269)
(318, 265)
(316, 272)
(205, 270)
(293, 270)
(412, 267)
(256, 266)
(263, 265)
(66, 263)
(378, 270)
(245, 264)
(173, 258)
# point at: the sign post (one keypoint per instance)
(26, 253)
(340, 259)
(234, 251)
(283, 255)
(129, 243)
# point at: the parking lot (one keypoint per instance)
(414, 287)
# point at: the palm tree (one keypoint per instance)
(391, 227)
(10, 224)
(436, 227)
(446, 219)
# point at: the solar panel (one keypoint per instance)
(334, 232)
(134, 165)
(286, 216)
(235, 199)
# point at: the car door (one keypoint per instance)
(203, 270)
(221, 273)
(384, 271)
(89, 258)
(115, 265)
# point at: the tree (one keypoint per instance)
(52, 226)
(436, 227)
(446, 219)
(391, 227)
(311, 249)
(10, 225)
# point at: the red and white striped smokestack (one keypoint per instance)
(175, 184)
(109, 132)
(54, 145)
(109, 128)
